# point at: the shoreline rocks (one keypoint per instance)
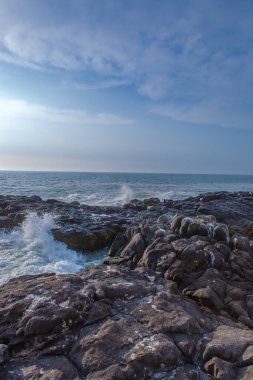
(173, 300)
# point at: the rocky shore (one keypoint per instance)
(173, 300)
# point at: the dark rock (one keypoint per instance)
(176, 223)
(151, 201)
(184, 312)
(85, 240)
(196, 229)
(228, 343)
(118, 244)
(240, 242)
(184, 226)
(136, 246)
(46, 368)
(221, 369)
(147, 234)
(4, 355)
(163, 219)
(151, 257)
(221, 233)
(6, 222)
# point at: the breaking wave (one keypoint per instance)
(31, 249)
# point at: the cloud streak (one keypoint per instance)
(18, 109)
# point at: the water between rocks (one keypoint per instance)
(31, 249)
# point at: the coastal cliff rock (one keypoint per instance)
(173, 300)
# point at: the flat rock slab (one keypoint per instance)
(71, 327)
(112, 322)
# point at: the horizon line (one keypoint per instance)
(119, 172)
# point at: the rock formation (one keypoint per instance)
(173, 300)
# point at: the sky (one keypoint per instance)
(126, 85)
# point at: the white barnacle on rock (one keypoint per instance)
(37, 301)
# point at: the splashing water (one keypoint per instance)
(31, 249)
(126, 194)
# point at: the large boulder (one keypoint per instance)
(83, 239)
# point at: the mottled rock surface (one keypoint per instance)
(173, 300)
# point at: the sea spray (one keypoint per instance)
(31, 249)
(126, 194)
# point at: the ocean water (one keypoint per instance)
(31, 248)
(117, 188)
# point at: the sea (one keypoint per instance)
(31, 248)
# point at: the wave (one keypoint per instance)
(126, 194)
(31, 249)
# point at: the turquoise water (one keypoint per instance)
(117, 188)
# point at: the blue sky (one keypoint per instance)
(126, 85)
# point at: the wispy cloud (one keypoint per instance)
(212, 112)
(97, 85)
(197, 50)
(19, 109)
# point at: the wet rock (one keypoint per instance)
(118, 244)
(151, 257)
(151, 201)
(4, 354)
(176, 223)
(197, 229)
(136, 246)
(85, 240)
(6, 222)
(184, 226)
(135, 205)
(221, 233)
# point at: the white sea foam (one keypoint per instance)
(126, 194)
(165, 195)
(31, 249)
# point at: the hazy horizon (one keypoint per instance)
(126, 86)
(124, 172)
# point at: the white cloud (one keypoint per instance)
(195, 50)
(19, 109)
(97, 85)
(210, 112)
